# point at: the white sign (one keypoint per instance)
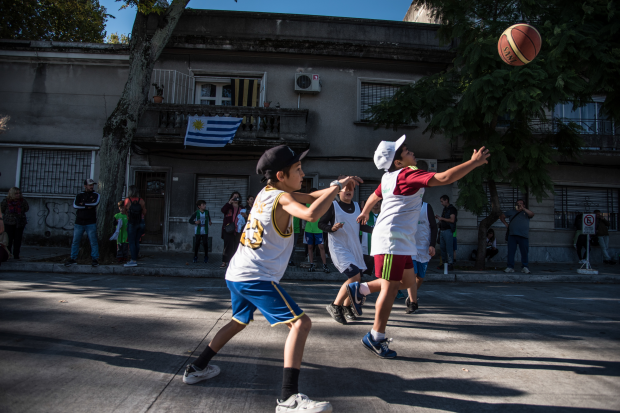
(588, 224)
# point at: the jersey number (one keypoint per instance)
(252, 234)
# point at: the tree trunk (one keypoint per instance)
(121, 126)
(485, 224)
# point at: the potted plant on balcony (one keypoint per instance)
(266, 103)
(159, 93)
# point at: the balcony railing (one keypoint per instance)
(163, 121)
(597, 134)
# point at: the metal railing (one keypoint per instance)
(587, 126)
(178, 87)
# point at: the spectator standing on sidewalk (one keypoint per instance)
(518, 234)
(136, 211)
(447, 226)
(85, 221)
(313, 236)
(202, 220)
(14, 208)
(231, 211)
(602, 231)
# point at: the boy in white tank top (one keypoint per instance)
(394, 234)
(255, 270)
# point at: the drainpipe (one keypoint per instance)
(18, 170)
(127, 173)
(92, 165)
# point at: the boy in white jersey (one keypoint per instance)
(401, 189)
(255, 271)
(426, 237)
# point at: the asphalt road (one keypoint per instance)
(76, 343)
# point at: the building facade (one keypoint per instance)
(303, 81)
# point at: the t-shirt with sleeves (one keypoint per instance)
(409, 181)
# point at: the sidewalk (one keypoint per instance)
(178, 264)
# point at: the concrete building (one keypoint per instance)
(319, 75)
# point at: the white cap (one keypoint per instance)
(384, 155)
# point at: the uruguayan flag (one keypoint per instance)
(211, 132)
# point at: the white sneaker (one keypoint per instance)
(301, 403)
(582, 261)
(131, 264)
(193, 374)
(525, 270)
(508, 269)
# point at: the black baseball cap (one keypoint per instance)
(276, 159)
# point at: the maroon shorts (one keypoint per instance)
(390, 267)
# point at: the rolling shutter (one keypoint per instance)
(365, 190)
(216, 190)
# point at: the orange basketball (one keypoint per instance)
(519, 44)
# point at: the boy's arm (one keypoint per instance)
(372, 200)
(479, 158)
(319, 205)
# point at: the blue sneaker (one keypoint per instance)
(400, 295)
(357, 299)
(379, 348)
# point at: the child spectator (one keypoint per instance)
(120, 235)
(200, 219)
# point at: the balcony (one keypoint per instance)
(164, 125)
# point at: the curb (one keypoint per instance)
(289, 275)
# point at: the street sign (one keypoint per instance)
(588, 224)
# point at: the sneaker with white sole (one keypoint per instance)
(194, 375)
(526, 270)
(301, 403)
(379, 348)
(357, 298)
(131, 263)
(508, 269)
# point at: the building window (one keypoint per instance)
(508, 197)
(372, 93)
(228, 92)
(588, 117)
(47, 171)
(570, 201)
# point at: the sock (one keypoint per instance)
(364, 290)
(203, 360)
(376, 336)
(290, 383)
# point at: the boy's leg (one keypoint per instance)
(322, 251)
(205, 244)
(311, 253)
(296, 341)
(196, 245)
(385, 301)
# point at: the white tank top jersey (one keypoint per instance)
(264, 250)
(423, 236)
(344, 245)
(395, 230)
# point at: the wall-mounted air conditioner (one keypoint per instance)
(428, 165)
(307, 83)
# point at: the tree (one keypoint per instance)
(61, 20)
(120, 127)
(480, 100)
(114, 38)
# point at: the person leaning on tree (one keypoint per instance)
(518, 234)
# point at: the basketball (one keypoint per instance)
(519, 44)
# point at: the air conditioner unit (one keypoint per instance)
(428, 165)
(307, 83)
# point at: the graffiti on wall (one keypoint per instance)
(57, 215)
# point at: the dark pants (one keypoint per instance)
(491, 253)
(205, 243)
(15, 234)
(230, 246)
(524, 246)
(369, 260)
(582, 244)
(121, 251)
(134, 232)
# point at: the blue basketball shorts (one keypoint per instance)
(313, 239)
(420, 268)
(270, 298)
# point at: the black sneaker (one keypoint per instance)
(349, 315)
(195, 260)
(95, 263)
(206, 260)
(291, 263)
(411, 307)
(336, 312)
(325, 269)
(450, 267)
(312, 268)
(70, 262)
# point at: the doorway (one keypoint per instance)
(152, 187)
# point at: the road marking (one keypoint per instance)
(514, 295)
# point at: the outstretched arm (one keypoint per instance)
(319, 207)
(479, 158)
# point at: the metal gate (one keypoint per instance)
(215, 190)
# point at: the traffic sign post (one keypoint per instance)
(588, 228)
